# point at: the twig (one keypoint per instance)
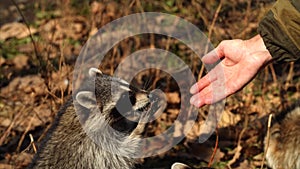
(268, 139)
(266, 75)
(24, 134)
(37, 115)
(239, 148)
(139, 5)
(211, 28)
(32, 143)
(7, 132)
(246, 19)
(30, 34)
(273, 73)
(210, 31)
(44, 133)
(215, 149)
(290, 75)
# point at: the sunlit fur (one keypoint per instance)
(67, 145)
(284, 145)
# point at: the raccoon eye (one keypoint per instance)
(132, 99)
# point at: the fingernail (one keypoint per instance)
(194, 89)
(192, 100)
(195, 101)
(198, 103)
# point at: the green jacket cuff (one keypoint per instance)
(280, 30)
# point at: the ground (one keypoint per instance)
(36, 72)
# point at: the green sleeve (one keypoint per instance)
(280, 30)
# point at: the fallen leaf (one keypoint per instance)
(6, 166)
(15, 30)
(173, 97)
(20, 61)
(229, 119)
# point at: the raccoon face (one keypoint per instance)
(122, 104)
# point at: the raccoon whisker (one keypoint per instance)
(147, 85)
(159, 87)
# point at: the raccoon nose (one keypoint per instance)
(153, 97)
(156, 95)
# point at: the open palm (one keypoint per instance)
(240, 61)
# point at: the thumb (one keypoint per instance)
(214, 55)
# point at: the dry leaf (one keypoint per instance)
(15, 30)
(173, 98)
(20, 61)
(177, 129)
(229, 119)
(6, 166)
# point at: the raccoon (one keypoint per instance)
(67, 145)
(283, 151)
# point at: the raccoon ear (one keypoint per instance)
(93, 71)
(86, 99)
(180, 166)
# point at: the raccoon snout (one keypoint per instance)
(152, 97)
(157, 95)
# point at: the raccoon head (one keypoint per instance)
(123, 105)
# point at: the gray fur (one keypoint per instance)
(284, 145)
(67, 145)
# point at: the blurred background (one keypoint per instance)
(36, 75)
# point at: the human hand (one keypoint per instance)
(240, 61)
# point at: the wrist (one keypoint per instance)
(257, 45)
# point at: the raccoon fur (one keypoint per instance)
(67, 145)
(283, 151)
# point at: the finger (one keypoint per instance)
(214, 55)
(204, 82)
(202, 97)
(212, 93)
(205, 98)
(198, 99)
